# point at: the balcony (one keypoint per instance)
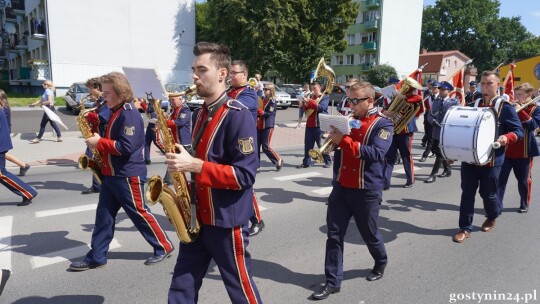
(372, 4)
(371, 25)
(370, 46)
(364, 67)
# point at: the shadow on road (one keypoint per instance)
(66, 299)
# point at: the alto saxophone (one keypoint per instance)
(95, 163)
(176, 203)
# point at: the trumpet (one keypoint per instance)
(519, 108)
(327, 147)
(253, 82)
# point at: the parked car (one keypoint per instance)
(337, 94)
(295, 90)
(194, 102)
(284, 100)
(73, 97)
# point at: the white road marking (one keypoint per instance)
(61, 211)
(261, 208)
(65, 255)
(402, 170)
(297, 176)
(323, 191)
(6, 222)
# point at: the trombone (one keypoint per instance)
(519, 108)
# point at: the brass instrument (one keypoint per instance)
(253, 82)
(176, 202)
(327, 72)
(84, 162)
(327, 147)
(519, 108)
(401, 111)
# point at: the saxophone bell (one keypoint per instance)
(84, 162)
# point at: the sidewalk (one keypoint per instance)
(49, 152)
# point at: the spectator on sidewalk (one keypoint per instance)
(47, 100)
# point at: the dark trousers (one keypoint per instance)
(363, 205)
(13, 183)
(44, 120)
(312, 137)
(263, 140)
(403, 143)
(487, 178)
(522, 171)
(95, 182)
(256, 217)
(126, 193)
(227, 247)
(436, 148)
(149, 138)
(428, 138)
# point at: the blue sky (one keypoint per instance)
(528, 10)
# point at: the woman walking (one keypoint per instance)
(47, 100)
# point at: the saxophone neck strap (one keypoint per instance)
(200, 131)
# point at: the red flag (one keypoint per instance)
(416, 75)
(458, 87)
(509, 83)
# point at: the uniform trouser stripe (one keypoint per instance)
(256, 208)
(239, 258)
(529, 182)
(411, 157)
(140, 208)
(13, 183)
(14, 186)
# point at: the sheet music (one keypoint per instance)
(339, 122)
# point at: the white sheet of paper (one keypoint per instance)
(339, 122)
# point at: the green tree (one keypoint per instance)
(474, 28)
(288, 36)
(378, 75)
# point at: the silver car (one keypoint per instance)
(284, 100)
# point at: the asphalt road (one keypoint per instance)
(417, 224)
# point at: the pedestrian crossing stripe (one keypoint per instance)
(297, 176)
(68, 210)
(6, 223)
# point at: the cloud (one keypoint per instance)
(536, 13)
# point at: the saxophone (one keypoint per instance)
(176, 203)
(84, 162)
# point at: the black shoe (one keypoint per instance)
(325, 292)
(256, 228)
(25, 202)
(90, 190)
(258, 170)
(423, 144)
(376, 274)
(407, 185)
(432, 155)
(5, 276)
(279, 165)
(423, 159)
(157, 258)
(82, 266)
(523, 210)
(302, 166)
(446, 173)
(430, 179)
(147, 161)
(22, 171)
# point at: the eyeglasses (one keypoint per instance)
(234, 73)
(355, 101)
(266, 89)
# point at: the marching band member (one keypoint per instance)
(180, 125)
(343, 107)
(473, 93)
(245, 94)
(313, 129)
(12, 182)
(98, 120)
(225, 164)
(124, 174)
(519, 155)
(428, 102)
(150, 134)
(4, 104)
(357, 189)
(426, 105)
(302, 98)
(441, 105)
(402, 142)
(487, 176)
(265, 126)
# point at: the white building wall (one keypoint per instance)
(399, 35)
(91, 38)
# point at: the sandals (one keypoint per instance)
(35, 141)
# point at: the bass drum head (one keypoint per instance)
(487, 131)
(458, 133)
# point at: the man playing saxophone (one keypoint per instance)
(97, 119)
(357, 189)
(124, 174)
(225, 163)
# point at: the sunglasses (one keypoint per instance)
(355, 101)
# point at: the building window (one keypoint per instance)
(371, 37)
(339, 60)
(351, 39)
(447, 63)
(455, 63)
(349, 60)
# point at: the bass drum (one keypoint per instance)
(467, 134)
